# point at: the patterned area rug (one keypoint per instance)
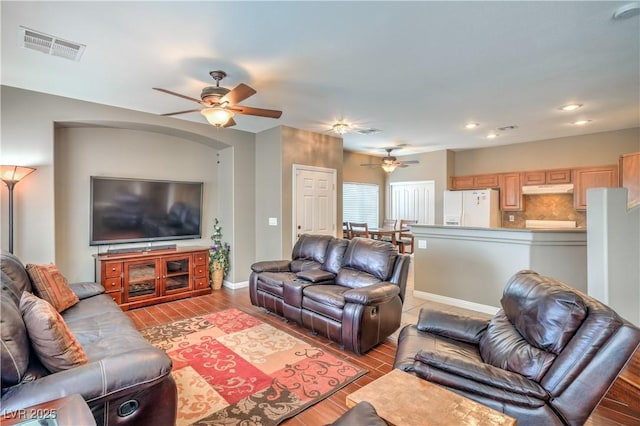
(233, 369)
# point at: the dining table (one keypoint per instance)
(379, 233)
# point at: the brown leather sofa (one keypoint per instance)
(126, 379)
(547, 357)
(350, 291)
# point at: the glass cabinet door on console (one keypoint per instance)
(176, 275)
(141, 280)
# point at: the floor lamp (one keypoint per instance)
(11, 175)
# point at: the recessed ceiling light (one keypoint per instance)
(581, 122)
(570, 107)
(492, 135)
(471, 125)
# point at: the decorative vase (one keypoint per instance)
(217, 274)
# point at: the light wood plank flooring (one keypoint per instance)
(620, 407)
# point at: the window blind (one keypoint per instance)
(360, 203)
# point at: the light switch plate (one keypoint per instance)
(273, 221)
(422, 244)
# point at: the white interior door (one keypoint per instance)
(413, 201)
(314, 201)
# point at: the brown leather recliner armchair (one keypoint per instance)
(350, 291)
(548, 357)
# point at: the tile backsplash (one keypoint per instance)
(545, 207)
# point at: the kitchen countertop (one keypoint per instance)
(506, 229)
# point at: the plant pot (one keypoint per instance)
(217, 275)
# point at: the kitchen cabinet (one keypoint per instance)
(511, 192)
(475, 181)
(585, 178)
(546, 177)
(630, 177)
(144, 278)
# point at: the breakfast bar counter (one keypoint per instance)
(469, 267)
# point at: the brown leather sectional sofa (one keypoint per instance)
(546, 358)
(126, 381)
(350, 291)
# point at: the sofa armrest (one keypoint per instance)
(483, 373)
(372, 294)
(271, 266)
(141, 368)
(86, 289)
(316, 275)
(465, 328)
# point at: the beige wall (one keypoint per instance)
(310, 149)
(84, 152)
(27, 136)
(576, 151)
(268, 183)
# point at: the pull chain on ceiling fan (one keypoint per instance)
(220, 103)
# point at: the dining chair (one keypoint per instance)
(359, 229)
(388, 224)
(405, 239)
(346, 230)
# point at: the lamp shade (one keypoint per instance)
(14, 173)
(217, 116)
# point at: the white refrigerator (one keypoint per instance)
(474, 208)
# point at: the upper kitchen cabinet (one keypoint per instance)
(475, 181)
(546, 177)
(591, 177)
(511, 192)
(630, 177)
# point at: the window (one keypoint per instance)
(360, 203)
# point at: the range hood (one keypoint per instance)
(566, 188)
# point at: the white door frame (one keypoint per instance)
(294, 196)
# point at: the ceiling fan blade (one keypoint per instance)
(182, 112)
(411, 162)
(238, 94)
(230, 123)
(260, 112)
(371, 165)
(189, 98)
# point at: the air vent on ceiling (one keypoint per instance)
(51, 45)
(368, 131)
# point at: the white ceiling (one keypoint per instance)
(416, 70)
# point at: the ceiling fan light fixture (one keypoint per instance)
(570, 107)
(217, 116)
(341, 128)
(389, 167)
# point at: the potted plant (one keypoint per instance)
(218, 257)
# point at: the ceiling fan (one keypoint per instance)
(220, 103)
(390, 163)
(342, 127)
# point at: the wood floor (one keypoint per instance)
(619, 408)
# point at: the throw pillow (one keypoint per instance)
(52, 286)
(50, 337)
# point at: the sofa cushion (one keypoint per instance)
(502, 346)
(335, 255)
(546, 312)
(372, 256)
(362, 414)
(50, 337)
(14, 347)
(50, 285)
(311, 247)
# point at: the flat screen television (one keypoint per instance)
(125, 210)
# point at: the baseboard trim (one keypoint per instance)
(235, 286)
(491, 310)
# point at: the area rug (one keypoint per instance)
(233, 369)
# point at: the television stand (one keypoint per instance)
(145, 277)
